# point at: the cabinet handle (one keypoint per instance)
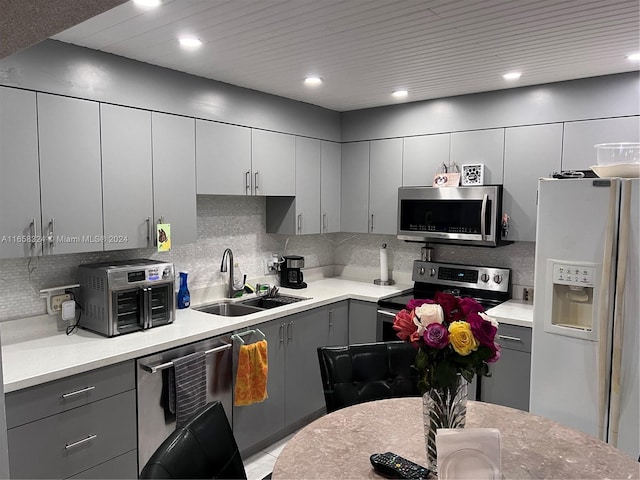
(483, 212)
(324, 222)
(32, 228)
(50, 237)
(247, 182)
(281, 332)
(78, 392)
(507, 337)
(256, 185)
(299, 223)
(80, 442)
(290, 331)
(148, 220)
(330, 318)
(372, 222)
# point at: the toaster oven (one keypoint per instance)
(126, 296)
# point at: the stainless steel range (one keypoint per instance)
(488, 286)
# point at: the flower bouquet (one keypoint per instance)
(455, 340)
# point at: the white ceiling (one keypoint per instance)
(365, 49)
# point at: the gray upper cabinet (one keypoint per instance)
(422, 157)
(354, 206)
(174, 175)
(127, 188)
(307, 175)
(273, 158)
(580, 137)
(480, 147)
(330, 174)
(530, 153)
(385, 167)
(223, 158)
(70, 174)
(20, 218)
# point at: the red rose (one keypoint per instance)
(450, 306)
(404, 326)
(469, 305)
(415, 303)
(482, 329)
(495, 348)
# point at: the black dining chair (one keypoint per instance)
(363, 372)
(204, 447)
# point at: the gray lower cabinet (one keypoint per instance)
(508, 384)
(294, 385)
(74, 425)
(362, 322)
(118, 467)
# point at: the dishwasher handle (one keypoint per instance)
(164, 366)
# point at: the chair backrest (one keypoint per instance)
(360, 373)
(204, 447)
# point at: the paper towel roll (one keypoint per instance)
(384, 264)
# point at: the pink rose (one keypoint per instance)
(436, 335)
(416, 302)
(495, 348)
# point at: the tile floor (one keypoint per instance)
(261, 464)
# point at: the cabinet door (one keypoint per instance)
(70, 174)
(422, 157)
(330, 174)
(530, 153)
(253, 424)
(338, 323)
(19, 175)
(174, 175)
(354, 204)
(362, 322)
(480, 146)
(580, 137)
(127, 188)
(508, 384)
(273, 161)
(385, 166)
(223, 158)
(307, 185)
(306, 332)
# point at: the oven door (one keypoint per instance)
(384, 326)
(457, 215)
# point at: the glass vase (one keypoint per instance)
(442, 408)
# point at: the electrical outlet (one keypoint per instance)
(56, 301)
(269, 266)
(527, 295)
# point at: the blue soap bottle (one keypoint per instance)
(184, 299)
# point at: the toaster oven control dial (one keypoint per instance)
(484, 277)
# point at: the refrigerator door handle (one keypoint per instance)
(618, 318)
(603, 309)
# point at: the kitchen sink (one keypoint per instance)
(272, 302)
(249, 306)
(227, 309)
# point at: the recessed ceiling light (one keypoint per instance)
(148, 3)
(634, 57)
(190, 42)
(511, 76)
(312, 81)
(400, 94)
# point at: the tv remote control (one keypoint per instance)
(394, 466)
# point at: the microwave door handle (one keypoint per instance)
(483, 213)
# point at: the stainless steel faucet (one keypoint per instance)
(231, 291)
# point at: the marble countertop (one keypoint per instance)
(513, 312)
(34, 351)
(338, 445)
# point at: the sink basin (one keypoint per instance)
(228, 309)
(271, 302)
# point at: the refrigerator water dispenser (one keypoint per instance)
(571, 310)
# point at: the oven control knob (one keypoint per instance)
(497, 279)
(421, 271)
(484, 277)
(432, 272)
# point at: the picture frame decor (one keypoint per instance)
(448, 176)
(473, 174)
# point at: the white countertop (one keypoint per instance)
(35, 355)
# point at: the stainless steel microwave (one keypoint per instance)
(455, 215)
(126, 296)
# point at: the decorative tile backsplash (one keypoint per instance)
(239, 223)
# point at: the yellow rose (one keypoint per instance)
(461, 338)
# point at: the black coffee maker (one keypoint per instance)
(290, 274)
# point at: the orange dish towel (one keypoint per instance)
(253, 370)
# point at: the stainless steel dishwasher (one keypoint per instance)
(155, 422)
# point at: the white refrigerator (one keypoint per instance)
(585, 366)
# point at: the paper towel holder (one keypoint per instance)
(377, 281)
(380, 281)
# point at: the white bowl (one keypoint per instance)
(617, 153)
(623, 170)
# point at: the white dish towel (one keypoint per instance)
(468, 453)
